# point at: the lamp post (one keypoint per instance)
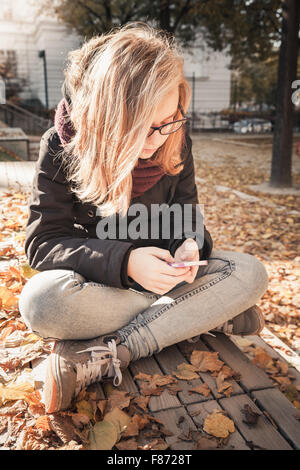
(42, 54)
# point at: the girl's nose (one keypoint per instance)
(156, 139)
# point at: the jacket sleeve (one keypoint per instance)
(186, 193)
(51, 239)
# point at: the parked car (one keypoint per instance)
(255, 125)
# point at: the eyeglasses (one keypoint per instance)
(170, 127)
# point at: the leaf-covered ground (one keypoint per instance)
(122, 420)
(269, 229)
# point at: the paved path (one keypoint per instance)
(16, 175)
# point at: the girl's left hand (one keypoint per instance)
(188, 251)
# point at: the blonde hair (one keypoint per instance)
(115, 82)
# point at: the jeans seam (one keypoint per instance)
(183, 297)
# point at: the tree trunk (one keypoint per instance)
(281, 172)
(164, 15)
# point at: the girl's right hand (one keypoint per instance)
(147, 266)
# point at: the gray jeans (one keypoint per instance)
(62, 304)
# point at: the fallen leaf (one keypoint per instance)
(202, 389)
(14, 392)
(218, 425)
(186, 371)
(206, 361)
(118, 398)
(250, 415)
(85, 408)
(43, 422)
(103, 436)
(7, 298)
(27, 271)
(119, 419)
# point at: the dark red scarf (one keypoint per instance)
(145, 174)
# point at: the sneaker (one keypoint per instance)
(73, 365)
(249, 322)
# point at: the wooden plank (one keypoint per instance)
(168, 360)
(128, 384)
(282, 411)
(199, 411)
(178, 422)
(260, 343)
(187, 348)
(149, 366)
(263, 435)
(252, 377)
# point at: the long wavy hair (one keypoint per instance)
(115, 82)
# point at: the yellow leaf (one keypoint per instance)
(85, 408)
(119, 419)
(27, 271)
(7, 298)
(31, 338)
(296, 403)
(218, 425)
(103, 436)
(14, 392)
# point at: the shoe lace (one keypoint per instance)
(91, 371)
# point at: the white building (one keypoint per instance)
(23, 34)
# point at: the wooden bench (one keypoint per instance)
(278, 427)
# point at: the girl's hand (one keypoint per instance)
(188, 251)
(147, 266)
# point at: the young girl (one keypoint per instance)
(119, 140)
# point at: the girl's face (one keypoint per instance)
(165, 113)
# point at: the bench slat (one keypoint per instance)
(263, 434)
(282, 411)
(199, 411)
(164, 401)
(252, 377)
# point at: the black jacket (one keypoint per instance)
(61, 230)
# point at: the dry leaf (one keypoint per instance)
(14, 392)
(43, 422)
(218, 425)
(262, 358)
(7, 298)
(202, 389)
(186, 371)
(118, 398)
(251, 416)
(119, 419)
(103, 436)
(85, 408)
(206, 361)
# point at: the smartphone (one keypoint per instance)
(182, 264)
